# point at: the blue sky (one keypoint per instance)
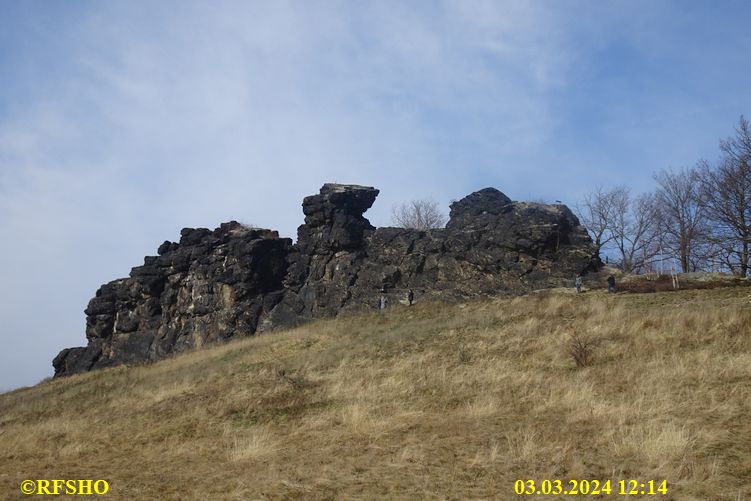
(122, 122)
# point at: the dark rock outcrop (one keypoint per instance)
(233, 281)
(212, 285)
(330, 250)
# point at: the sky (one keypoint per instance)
(122, 122)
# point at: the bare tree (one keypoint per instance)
(422, 214)
(726, 194)
(634, 229)
(618, 225)
(596, 214)
(683, 218)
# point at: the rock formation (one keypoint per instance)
(211, 285)
(235, 281)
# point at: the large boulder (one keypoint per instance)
(478, 209)
(334, 219)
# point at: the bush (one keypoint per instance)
(582, 349)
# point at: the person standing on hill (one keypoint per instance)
(611, 284)
(410, 297)
(382, 302)
(578, 282)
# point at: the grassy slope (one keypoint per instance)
(432, 401)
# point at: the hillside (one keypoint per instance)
(434, 401)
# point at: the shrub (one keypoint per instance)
(582, 349)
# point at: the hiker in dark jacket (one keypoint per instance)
(410, 297)
(611, 284)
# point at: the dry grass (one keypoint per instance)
(665, 283)
(427, 402)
